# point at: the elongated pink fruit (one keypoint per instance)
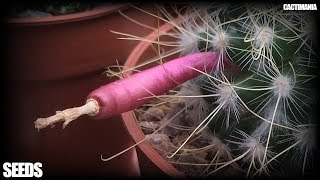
(132, 92)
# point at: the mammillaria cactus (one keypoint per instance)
(254, 119)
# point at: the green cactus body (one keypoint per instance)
(265, 112)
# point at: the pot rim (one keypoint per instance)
(129, 118)
(73, 17)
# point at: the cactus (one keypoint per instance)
(255, 119)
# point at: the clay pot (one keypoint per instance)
(76, 43)
(54, 63)
(151, 162)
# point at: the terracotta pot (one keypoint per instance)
(151, 162)
(82, 39)
(53, 64)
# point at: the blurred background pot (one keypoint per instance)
(53, 63)
(76, 43)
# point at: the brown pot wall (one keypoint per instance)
(81, 44)
(53, 66)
